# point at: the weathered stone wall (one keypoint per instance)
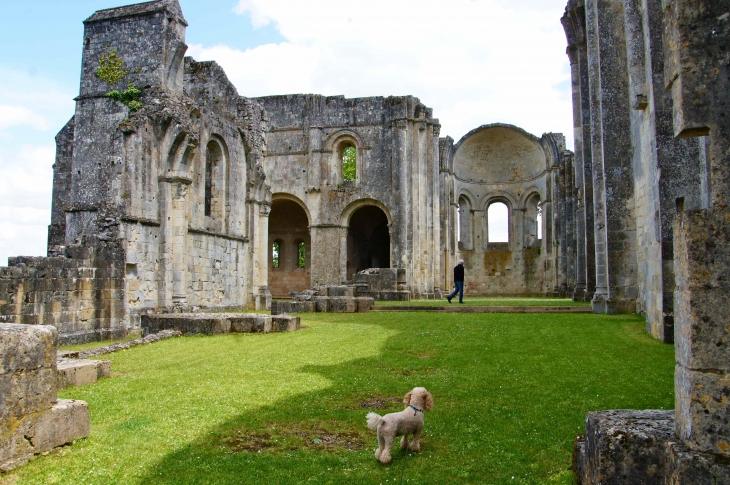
(81, 293)
(396, 140)
(502, 163)
(674, 93)
(32, 421)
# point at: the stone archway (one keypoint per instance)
(368, 240)
(289, 248)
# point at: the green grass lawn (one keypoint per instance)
(477, 301)
(511, 391)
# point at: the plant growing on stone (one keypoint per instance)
(111, 71)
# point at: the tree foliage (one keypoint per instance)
(349, 163)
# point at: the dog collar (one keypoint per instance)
(415, 409)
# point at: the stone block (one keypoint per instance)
(342, 305)
(703, 409)
(624, 446)
(340, 291)
(279, 307)
(75, 372)
(193, 323)
(364, 304)
(687, 467)
(284, 323)
(248, 323)
(388, 279)
(66, 421)
(33, 347)
(322, 304)
(373, 281)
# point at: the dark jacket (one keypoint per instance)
(459, 272)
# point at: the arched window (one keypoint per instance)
(276, 254)
(464, 224)
(301, 255)
(215, 180)
(533, 222)
(208, 180)
(498, 223)
(349, 163)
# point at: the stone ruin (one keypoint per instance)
(651, 98)
(192, 196)
(32, 420)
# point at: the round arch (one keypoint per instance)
(289, 241)
(366, 237)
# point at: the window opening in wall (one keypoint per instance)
(349, 163)
(302, 255)
(275, 251)
(498, 221)
(539, 222)
(208, 182)
(458, 223)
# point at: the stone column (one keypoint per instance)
(696, 35)
(174, 230)
(613, 196)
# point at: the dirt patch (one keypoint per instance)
(380, 402)
(293, 437)
(252, 442)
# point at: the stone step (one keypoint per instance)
(79, 372)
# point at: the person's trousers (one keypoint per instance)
(458, 288)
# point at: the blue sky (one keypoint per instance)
(473, 61)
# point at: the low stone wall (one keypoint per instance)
(626, 446)
(382, 284)
(81, 293)
(32, 420)
(324, 299)
(218, 323)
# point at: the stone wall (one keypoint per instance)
(504, 164)
(658, 84)
(81, 293)
(32, 420)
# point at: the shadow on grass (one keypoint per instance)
(511, 393)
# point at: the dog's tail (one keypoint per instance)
(373, 420)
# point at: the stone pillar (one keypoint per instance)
(696, 35)
(573, 23)
(260, 248)
(613, 187)
(174, 230)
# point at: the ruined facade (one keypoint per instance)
(650, 96)
(187, 195)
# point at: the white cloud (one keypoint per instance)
(474, 62)
(20, 115)
(25, 201)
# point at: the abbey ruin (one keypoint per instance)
(193, 196)
(182, 194)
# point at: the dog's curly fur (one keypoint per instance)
(405, 423)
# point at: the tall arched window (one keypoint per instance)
(498, 223)
(301, 255)
(276, 254)
(349, 163)
(465, 224)
(215, 180)
(533, 222)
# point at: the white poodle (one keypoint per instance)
(407, 422)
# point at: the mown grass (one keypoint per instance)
(96, 345)
(477, 301)
(511, 392)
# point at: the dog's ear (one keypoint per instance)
(429, 402)
(407, 399)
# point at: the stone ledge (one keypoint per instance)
(220, 323)
(79, 372)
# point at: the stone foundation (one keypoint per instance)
(32, 420)
(219, 323)
(639, 447)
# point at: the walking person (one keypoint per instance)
(458, 282)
